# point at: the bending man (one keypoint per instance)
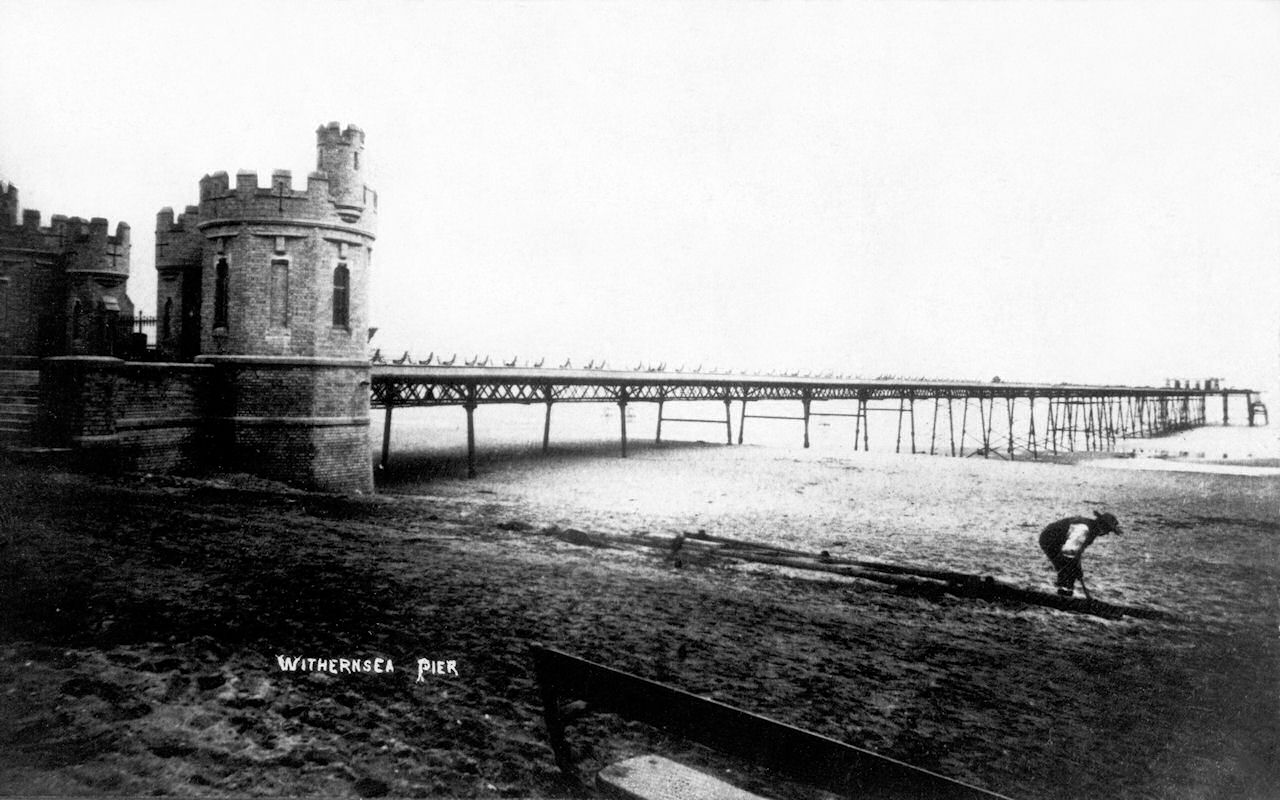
(1064, 542)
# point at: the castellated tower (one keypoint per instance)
(268, 283)
(62, 286)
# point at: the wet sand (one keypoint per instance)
(142, 619)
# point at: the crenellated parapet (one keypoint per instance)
(326, 198)
(179, 242)
(80, 245)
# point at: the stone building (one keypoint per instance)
(262, 317)
(62, 287)
(268, 284)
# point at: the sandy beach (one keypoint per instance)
(143, 620)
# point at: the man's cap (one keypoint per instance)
(1108, 521)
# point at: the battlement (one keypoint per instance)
(332, 134)
(249, 197)
(89, 243)
(178, 239)
(8, 204)
(167, 222)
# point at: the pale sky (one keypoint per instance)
(1065, 191)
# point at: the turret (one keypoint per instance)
(8, 204)
(339, 154)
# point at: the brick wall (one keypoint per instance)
(300, 421)
(304, 421)
(162, 416)
(127, 416)
(31, 300)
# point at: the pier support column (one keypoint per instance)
(657, 437)
(866, 423)
(897, 447)
(470, 406)
(546, 429)
(806, 402)
(622, 417)
(1031, 426)
(386, 438)
(859, 418)
(728, 421)
(742, 420)
(986, 413)
(933, 426)
(951, 426)
(1226, 413)
(1008, 408)
(913, 423)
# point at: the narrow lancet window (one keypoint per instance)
(280, 293)
(220, 295)
(341, 296)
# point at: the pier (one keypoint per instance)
(993, 419)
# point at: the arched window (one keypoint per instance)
(341, 296)
(166, 322)
(220, 295)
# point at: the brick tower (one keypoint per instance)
(62, 287)
(269, 285)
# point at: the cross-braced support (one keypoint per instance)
(1071, 417)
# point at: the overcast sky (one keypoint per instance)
(1041, 191)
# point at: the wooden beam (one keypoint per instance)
(794, 752)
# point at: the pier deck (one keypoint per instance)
(1001, 419)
